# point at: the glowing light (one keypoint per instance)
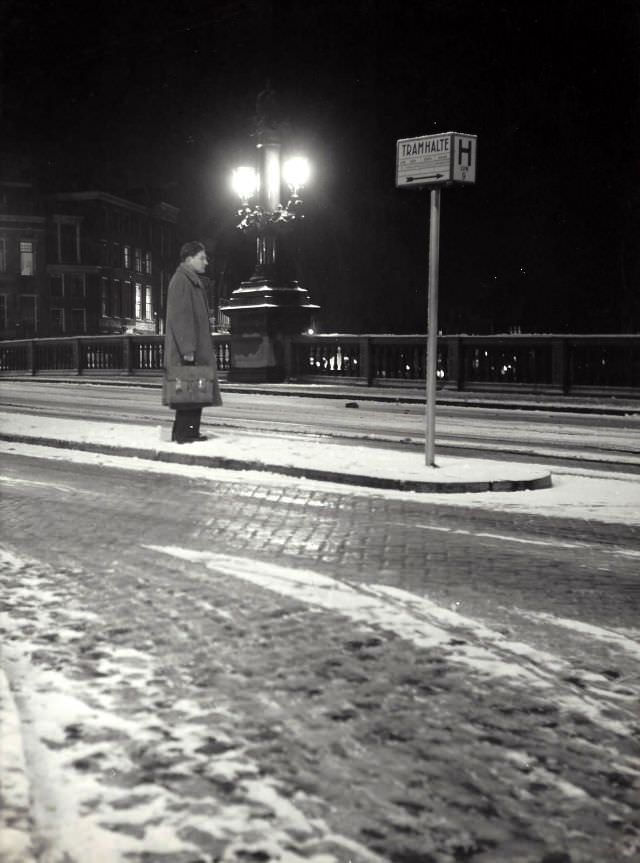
(296, 171)
(244, 181)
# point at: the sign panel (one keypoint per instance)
(429, 160)
(464, 158)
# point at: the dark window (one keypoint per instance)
(116, 298)
(78, 320)
(55, 286)
(68, 246)
(77, 287)
(105, 297)
(27, 314)
(57, 321)
(127, 300)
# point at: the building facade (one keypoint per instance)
(117, 255)
(23, 259)
(82, 262)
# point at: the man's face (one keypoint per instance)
(198, 262)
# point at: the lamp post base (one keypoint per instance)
(264, 316)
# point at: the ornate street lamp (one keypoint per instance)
(271, 306)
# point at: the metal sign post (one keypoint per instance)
(432, 327)
(433, 161)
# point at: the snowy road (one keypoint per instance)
(586, 440)
(230, 669)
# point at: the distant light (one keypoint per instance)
(244, 182)
(296, 171)
(310, 331)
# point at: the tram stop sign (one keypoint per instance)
(447, 159)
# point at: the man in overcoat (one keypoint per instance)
(188, 340)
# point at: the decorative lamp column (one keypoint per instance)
(271, 306)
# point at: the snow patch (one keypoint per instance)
(418, 620)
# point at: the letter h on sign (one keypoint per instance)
(465, 159)
(465, 150)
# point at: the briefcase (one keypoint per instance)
(190, 385)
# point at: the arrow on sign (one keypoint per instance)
(426, 177)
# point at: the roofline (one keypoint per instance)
(161, 208)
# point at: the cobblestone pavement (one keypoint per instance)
(241, 672)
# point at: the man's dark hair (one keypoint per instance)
(191, 249)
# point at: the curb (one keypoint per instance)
(452, 487)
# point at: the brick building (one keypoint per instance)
(116, 255)
(81, 262)
(23, 258)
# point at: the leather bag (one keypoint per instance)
(190, 385)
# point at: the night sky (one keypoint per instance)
(157, 99)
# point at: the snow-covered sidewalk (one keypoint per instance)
(323, 460)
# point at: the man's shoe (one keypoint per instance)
(190, 438)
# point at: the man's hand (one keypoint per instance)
(189, 358)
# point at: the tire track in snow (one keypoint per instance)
(465, 641)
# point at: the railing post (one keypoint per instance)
(31, 357)
(287, 358)
(559, 367)
(127, 355)
(76, 347)
(455, 367)
(366, 364)
(461, 376)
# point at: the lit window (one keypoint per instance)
(138, 301)
(138, 260)
(27, 258)
(147, 263)
(126, 257)
(148, 310)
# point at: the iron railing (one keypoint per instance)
(529, 363)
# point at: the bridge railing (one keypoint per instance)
(527, 363)
(95, 355)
